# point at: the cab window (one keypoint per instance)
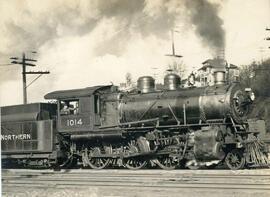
(97, 104)
(69, 107)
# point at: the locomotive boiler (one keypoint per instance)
(188, 105)
(170, 127)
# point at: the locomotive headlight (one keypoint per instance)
(252, 96)
(250, 93)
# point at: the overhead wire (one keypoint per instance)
(6, 64)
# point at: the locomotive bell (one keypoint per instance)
(172, 81)
(146, 84)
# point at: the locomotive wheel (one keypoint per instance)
(235, 160)
(134, 163)
(97, 162)
(167, 163)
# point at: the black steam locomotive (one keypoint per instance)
(101, 126)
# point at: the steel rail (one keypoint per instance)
(112, 183)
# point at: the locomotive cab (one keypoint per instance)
(78, 110)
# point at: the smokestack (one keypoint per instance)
(221, 54)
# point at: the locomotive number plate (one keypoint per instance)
(74, 122)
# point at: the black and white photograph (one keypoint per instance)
(135, 98)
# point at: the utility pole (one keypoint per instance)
(261, 50)
(173, 48)
(267, 38)
(25, 62)
(175, 65)
(155, 73)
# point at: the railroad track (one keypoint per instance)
(118, 181)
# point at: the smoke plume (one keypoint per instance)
(80, 38)
(207, 23)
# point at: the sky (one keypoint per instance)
(85, 43)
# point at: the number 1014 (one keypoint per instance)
(74, 122)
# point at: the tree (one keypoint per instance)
(177, 68)
(256, 76)
(128, 79)
(247, 74)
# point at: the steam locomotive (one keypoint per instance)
(101, 126)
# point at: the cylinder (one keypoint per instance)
(146, 84)
(172, 81)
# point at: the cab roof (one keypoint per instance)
(75, 93)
